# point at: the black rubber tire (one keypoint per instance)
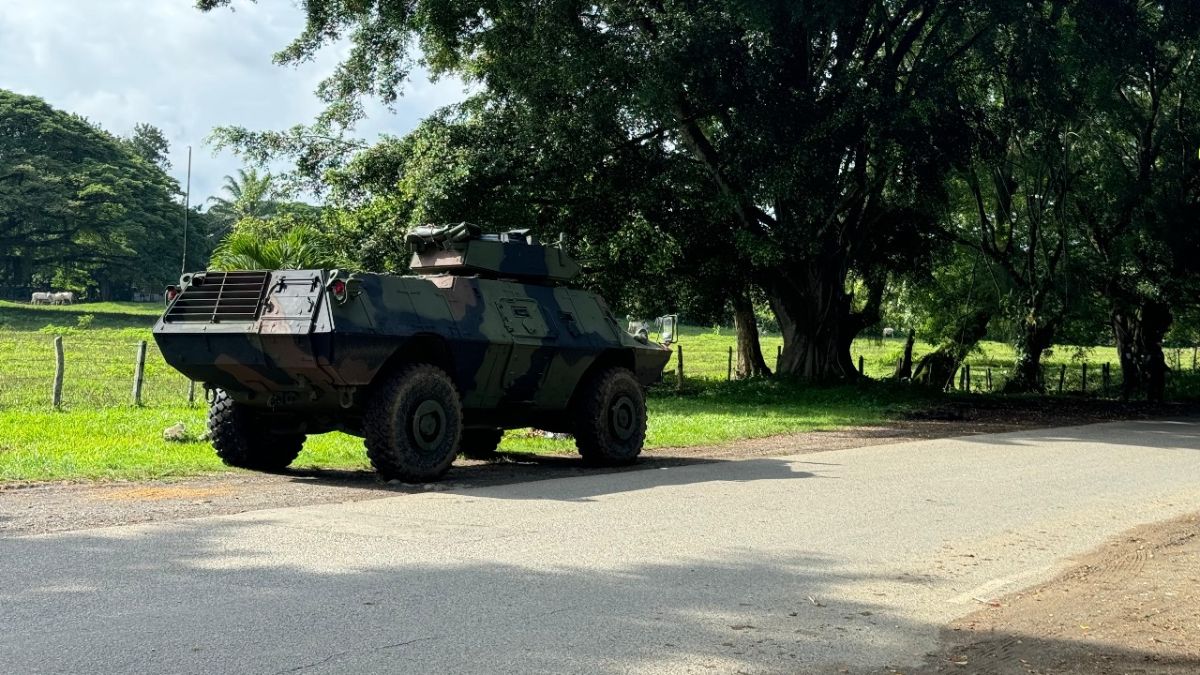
(610, 418)
(480, 442)
(241, 439)
(390, 425)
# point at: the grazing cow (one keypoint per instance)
(64, 298)
(41, 298)
(889, 332)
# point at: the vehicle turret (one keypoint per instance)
(463, 250)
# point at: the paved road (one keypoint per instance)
(849, 558)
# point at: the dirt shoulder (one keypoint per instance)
(54, 507)
(1131, 606)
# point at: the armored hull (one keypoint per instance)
(283, 341)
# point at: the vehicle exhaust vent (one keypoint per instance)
(215, 297)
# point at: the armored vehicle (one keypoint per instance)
(485, 336)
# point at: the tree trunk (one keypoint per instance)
(106, 290)
(904, 369)
(937, 368)
(1139, 333)
(815, 319)
(750, 362)
(1035, 338)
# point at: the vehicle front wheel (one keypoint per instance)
(413, 423)
(242, 440)
(480, 442)
(610, 418)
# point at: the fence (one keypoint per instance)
(704, 361)
(79, 371)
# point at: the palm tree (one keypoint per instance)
(302, 247)
(248, 195)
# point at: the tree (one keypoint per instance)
(148, 142)
(957, 296)
(247, 195)
(77, 205)
(822, 130)
(300, 247)
(1141, 202)
(1016, 206)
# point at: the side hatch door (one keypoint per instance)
(533, 350)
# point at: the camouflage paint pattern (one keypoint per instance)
(492, 312)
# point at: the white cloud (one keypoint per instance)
(120, 62)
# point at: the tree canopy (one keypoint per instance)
(81, 208)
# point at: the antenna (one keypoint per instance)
(187, 206)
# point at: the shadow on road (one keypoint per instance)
(511, 470)
(217, 597)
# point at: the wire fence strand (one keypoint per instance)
(99, 373)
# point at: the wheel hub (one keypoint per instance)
(622, 418)
(429, 425)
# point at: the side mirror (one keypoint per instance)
(668, 330)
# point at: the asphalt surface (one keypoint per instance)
(844, 559)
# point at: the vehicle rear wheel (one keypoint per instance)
(413, 423)
(480, 442)
(242, 440)
(610, 418)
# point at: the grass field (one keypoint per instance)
(100, 434)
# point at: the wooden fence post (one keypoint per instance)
(678, 367)
(1195, 353)
(1062, 377)
(989, 379)
(191, 393)
(962, 377)
(138, 372)
(861, 370)
(778, 357)
(1107, 369)
(729, 368)
(1083, 378)
(59, 363)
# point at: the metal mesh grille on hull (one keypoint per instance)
(220, 296)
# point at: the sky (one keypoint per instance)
(121, 62)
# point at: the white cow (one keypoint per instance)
(64, 298)
(41, 298)
(889, 332)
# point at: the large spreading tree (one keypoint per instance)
(83, 209)
(821, 129)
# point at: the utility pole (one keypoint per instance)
(187, 206)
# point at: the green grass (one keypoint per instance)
(23, 317)
(99, 434)
(126, 442)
